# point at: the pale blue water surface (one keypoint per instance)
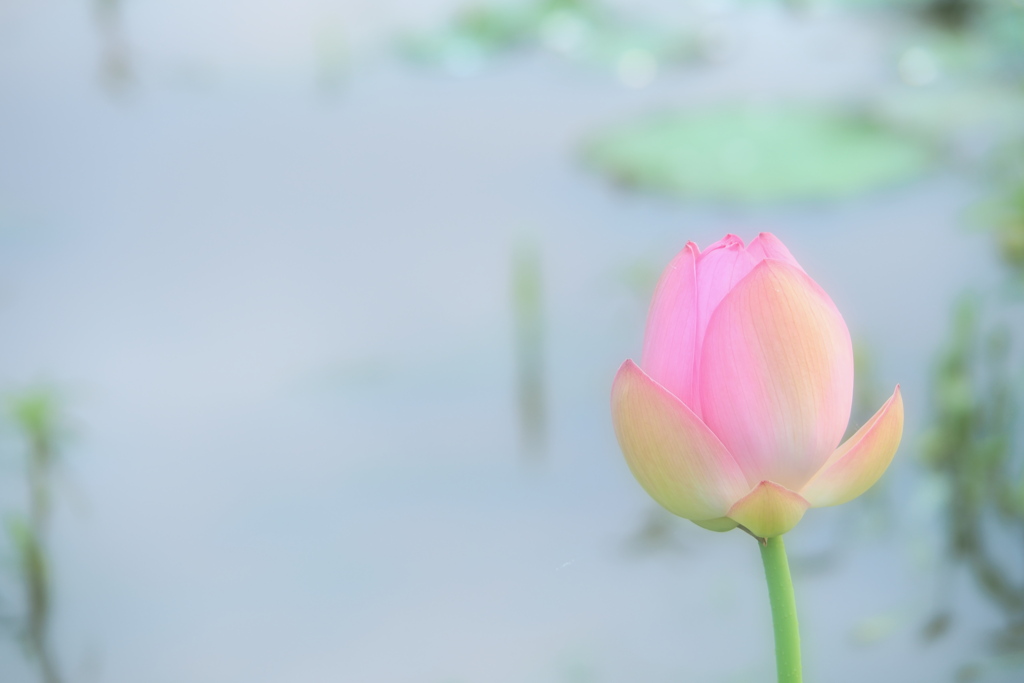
(282, 320)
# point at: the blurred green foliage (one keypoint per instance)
(581, 30)
(973, 445)
(988, 33)
(747, 153)
(973, 442)
(999, 24)
(1003, 213)
(1010, 228)
(37, 414)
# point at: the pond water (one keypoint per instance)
(283, 322)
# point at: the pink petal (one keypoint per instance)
(769, 510)
(777, 375)
(669, 342)
(767, 245)
(719, 268)
(687, 295)
(673, 455)
(860, 462)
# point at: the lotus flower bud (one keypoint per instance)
(735, 414)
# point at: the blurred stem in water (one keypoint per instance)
(1004, 212)
(971, 446)
(973, 443)
(36, 415)
(332, 57)
(528, 321)
(783, 601)
(116, 72)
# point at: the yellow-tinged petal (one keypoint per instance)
(769, 510)
(861, 460)
(720, 524)
(674, 456)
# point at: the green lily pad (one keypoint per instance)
(758, 154)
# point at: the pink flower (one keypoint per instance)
(743, 393)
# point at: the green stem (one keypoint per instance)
(780, 593)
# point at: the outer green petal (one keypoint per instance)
(674, 456)
(769, 510)
(861, 460)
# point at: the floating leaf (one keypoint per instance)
(758, 154)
